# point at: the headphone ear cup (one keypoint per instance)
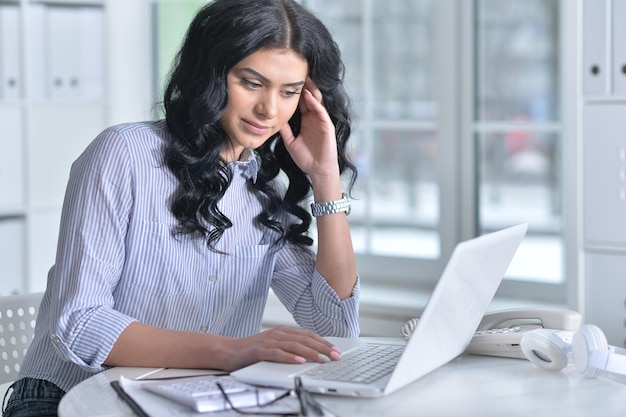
(545, 349)
(590, 350)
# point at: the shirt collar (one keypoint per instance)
(248, 165)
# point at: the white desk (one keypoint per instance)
(468, 386)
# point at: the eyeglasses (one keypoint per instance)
(309, 407)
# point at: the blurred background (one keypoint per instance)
(468, 118)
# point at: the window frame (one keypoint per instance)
(566, 292)
(457, 160)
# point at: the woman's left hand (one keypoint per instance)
(314, 150)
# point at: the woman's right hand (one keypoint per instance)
(280, 344)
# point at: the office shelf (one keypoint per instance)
(52, 104)
(604, 164)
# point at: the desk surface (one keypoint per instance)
(468, 386)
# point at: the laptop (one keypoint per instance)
(445, 328)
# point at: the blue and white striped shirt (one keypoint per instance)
(118, 262)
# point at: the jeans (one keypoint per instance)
(33, 398)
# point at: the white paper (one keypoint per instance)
(10, 82)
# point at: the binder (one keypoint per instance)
(12, 256)
(36, 51)
(10, 83)
(11, 160)
(619, 47)
(74, 51)
(595, 61)
(91, 52)
(66, 50)
(63, 45)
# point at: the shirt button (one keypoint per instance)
(56, 340)
(204, 327)
(212, 277)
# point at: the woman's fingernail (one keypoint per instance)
(300, 359)
(335, 355)
(323, 357)
(336, 349)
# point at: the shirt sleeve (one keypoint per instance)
(90, 254)
(307, 295)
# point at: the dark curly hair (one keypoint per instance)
(221, 34)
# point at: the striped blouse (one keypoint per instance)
(117, 262)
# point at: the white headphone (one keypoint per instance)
(589, 351)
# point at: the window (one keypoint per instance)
(516, 126)
(459, 132)
(392, 76)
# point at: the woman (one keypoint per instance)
(173, 231)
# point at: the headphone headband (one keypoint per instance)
(617, 360)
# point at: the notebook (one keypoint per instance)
(446, 326)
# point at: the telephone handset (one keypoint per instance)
(499, 333)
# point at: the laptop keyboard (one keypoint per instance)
(371, 362)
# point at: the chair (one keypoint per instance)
(17, 325)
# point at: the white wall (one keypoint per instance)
(129, 58)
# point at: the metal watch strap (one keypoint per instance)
(331, 207)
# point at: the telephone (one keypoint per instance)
(499, 333)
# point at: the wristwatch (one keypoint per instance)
(331, 207)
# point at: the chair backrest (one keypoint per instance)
(17, 325)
